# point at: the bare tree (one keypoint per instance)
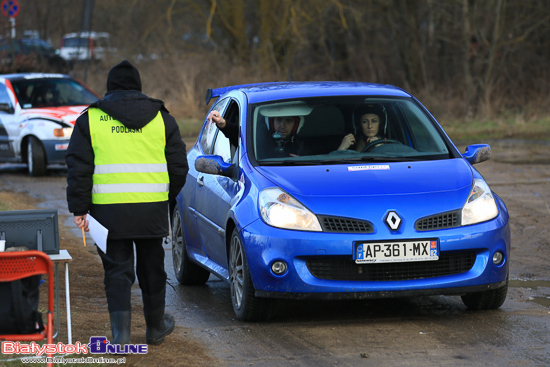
(489, 56)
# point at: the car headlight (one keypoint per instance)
(65, 132)
(279, 209)
(480, 206)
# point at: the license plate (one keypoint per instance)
(402, 251)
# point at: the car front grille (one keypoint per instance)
(345, 269)
(345, 225)
(439, 221)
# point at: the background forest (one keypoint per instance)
(466, 60)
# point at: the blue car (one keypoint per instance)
(336, 190)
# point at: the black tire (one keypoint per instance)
(486, 300)
(186, 271)
(246, 305)
(36, 157)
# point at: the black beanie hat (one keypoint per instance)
(124, 76)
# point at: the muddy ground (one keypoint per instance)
(518, 171)
(89, 313)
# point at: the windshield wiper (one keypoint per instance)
(275, 163)
(340, 160)
(298, 162)
(388, 159)
(290, 162)
(365, 159)
(362, 159)
(379, 159)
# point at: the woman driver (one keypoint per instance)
(367, 125)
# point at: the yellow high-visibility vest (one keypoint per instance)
(130, 165)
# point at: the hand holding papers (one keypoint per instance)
(98, 233)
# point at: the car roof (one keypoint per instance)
(27, 76)
(26, 40)
(86, 34)
(261, 92)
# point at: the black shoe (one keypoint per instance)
(121, 322)
(159, 325)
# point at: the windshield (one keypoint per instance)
(39, 46)
(83, 42)
(52, 92)
(343, 129)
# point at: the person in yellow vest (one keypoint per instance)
(126, 164)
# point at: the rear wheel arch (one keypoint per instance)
(229, 227)
(187, 272)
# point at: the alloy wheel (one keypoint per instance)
(177, 242)
(237, 271)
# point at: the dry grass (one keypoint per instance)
(180, 82)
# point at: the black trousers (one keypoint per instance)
(118, 264)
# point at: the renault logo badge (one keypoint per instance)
(393, 221)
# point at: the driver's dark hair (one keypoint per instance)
(374, 108)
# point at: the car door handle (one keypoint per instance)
(200, 181)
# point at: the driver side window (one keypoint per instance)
(222, 147)
(210, 130)
(226, 146)
(5, 101)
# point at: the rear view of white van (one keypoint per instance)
(85, 46)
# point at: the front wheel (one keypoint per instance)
(186, 271)
(36, 157)
(246, 305)
(486, 300)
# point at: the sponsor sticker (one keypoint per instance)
(376, 167)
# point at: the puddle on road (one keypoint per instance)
(541, 300)
(520, 283)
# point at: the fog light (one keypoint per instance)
(498, 257)
(279, 267)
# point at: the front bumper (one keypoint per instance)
(321, 265)
(56, 150)
(457, 291)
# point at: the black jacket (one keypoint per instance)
(136, 220)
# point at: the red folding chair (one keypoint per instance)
(21, 264)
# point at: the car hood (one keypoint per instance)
(67, 114)
(433, 186)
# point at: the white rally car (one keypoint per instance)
(37, 115)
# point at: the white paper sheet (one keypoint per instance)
(98, 233)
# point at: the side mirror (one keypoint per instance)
(214, 165)
(477, 153)
(6, 107)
